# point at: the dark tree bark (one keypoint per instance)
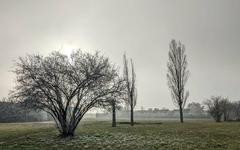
(132, 118)
(181, 114)
(224, 116)
(114, 113)
(178, 75)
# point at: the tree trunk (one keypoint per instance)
(224, 116)
(181, 113)
(68, 133)
(132, 121)
(67, 129)
(113, 114)
(218, 118)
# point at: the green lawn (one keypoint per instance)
(145, 135)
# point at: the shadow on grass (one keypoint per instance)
(141, 123)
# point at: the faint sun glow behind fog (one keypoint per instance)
(68, 48)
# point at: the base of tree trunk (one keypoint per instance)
(66, 135)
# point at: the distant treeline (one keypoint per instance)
(193, 110)
(145, 114)
(222, 109)
(15, 112)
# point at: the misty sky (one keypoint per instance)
(210, 30)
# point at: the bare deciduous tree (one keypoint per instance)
(112, 105)
(131, 90)
(236, 110)
(195, 108)
(215, 108)
(65, 87)
(114, 102)
(226, 108)
(178, 75)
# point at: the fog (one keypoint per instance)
(142, 29)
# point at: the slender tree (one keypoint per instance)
(130, 79)
(114, 102)
(65, 87)
(112, 105)
(178, 75)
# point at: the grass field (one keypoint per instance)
(145, 135)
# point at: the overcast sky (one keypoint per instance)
(210, 30)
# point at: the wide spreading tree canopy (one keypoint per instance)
(66, 87)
